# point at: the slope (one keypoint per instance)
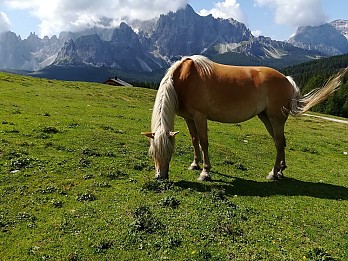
(76, 183)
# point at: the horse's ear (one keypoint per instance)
(173, 133)
(150, 135)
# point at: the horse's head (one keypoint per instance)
(161, 150)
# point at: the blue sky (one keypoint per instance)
(277, 19)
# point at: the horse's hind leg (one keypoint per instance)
(275, 128)
(280, 144)
(264, 118)
(195, 142)
(202, 131)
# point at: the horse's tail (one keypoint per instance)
(299, 104)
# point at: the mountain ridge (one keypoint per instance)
(328, 38)
(149, 47)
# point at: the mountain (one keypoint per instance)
(13, 53)
(124, 51)
(153, 46)
(185, 33)
(330, 38)
(141, 49)
(341, 26)
(31, 54)
(262, 51)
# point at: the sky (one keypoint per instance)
(277, 19)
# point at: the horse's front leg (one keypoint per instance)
(195, 142)
(201, 124)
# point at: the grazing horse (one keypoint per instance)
(198, 90)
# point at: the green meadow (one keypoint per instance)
(76, 183)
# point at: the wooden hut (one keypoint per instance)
(117, 82)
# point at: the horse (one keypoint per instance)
(199, 89)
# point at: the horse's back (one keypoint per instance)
(230, 93)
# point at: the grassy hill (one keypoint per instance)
(76, 183)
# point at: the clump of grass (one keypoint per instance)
(158, 185)
(145, 221)
(107, 128)
(22, 162)
(237, 165)
(240, 166)
(48, 190)
(102, 246)
(141, 166)
(318, 254)
(16, 112)
(50, 130)
(201, 254)
(170, 202)
(218, 194)
(91, 152)
(114, 175)
(310, 150)
(73, 125)
(84, 163)
(102, 185)
(228, 162)
(88, 176)
(234, 231)
(57, 204)
(73, 257)
(86, 197)
(24, 216)
(12, 131)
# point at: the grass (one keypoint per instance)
(76, 183)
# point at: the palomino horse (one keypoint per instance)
(199, 90)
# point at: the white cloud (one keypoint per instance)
(296, 12)
(256, 32)
(5, 24)
(67, 15)
(226, 9)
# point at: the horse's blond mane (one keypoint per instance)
(166, 106)
(203, 64)
(163, 114)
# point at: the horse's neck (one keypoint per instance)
(165, 107)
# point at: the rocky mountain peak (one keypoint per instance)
(185, 32)
(325, 38)
(124, 33)
(341, 26)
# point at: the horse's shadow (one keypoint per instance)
(286, 187)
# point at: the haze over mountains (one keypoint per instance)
(146, 48)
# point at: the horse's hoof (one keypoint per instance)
(159, 177)
(272, 176)
(275, 176)
(280, 175)
(194, 167)
(204, 177)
